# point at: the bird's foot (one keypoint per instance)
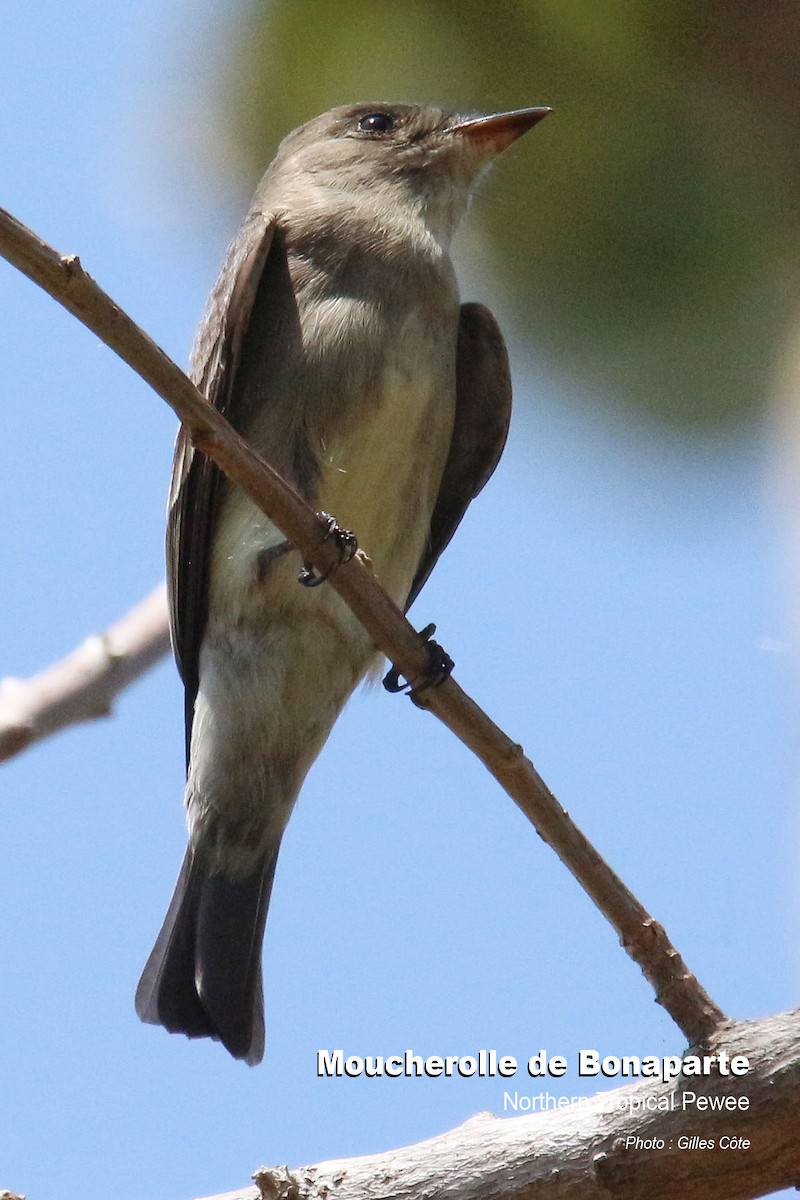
(346, 544)
(440, 667)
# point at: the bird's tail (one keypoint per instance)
(203, 977)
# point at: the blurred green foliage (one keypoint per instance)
(647, 230)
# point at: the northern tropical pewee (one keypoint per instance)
(335, 342)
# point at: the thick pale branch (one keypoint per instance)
(84, 685)
(626, 1143)
(676, 988)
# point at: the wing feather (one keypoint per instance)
(195, 488)
(480, 429)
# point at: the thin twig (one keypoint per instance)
(84, 685)
(676, 987)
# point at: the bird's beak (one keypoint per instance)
(492, 135)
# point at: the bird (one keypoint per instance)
(335, 341)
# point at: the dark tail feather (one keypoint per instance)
(203, 977)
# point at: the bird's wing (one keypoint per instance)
(480, 429)
(194, 493)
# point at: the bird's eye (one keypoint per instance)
(376, 122)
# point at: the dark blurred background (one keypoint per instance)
(649, 237)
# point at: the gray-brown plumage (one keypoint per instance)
(334, 341)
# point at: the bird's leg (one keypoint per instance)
(345, 542)
(439, 668)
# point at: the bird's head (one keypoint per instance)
(421, 157)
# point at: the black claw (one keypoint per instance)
(391, 681)
(346, 544)
(309, 577)
(440, 667)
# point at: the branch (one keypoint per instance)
(625, 1143)
(646, 942)
(84, 685)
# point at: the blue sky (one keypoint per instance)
(615, 599)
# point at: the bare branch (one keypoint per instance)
(83, 686)
(63, 277)
(626, 1143)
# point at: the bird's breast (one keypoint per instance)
(371, 400)
(380, 475)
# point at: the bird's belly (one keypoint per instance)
(381, 476)
(279, 660)
(380, 470)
